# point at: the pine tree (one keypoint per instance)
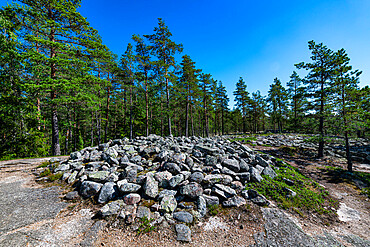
(318, 83)
(345, 84)
(296, 94)
(277, 97)
(242, 99)
(189, 83)
(62, 42)
(222, 102)
(207, 85)
(164, 49)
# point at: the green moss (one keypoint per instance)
(311, 197)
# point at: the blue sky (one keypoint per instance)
(258, 40)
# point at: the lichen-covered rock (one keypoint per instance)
(143, 212)
(108, 192)
(132, 198)
(151, 187)
(89, 188)
(202, 207)
(176, 180)
(255, 176)
(168, 204)
(231, 164)
(172, 168)
(129, 188)
(213, 178)
(183, 233)
(111, 208)
(192, 190)
(223, 191)
(211, 200)
(163, 178)
(99, 176)
(268, 171)
(183, 216)
(235, 201)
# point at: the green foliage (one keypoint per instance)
(43, 164)
(45, 173)
(55, 176)
(214, 209)
(145, 226)
(311, 197)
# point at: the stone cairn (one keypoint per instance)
(178, 178)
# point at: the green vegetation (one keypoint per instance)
(43, 164)
(55, 177)
(244, 139)
(214, 209)
(311, 197)
(145, 226)
(45, 173)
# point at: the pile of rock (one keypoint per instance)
(172, 179)
(360, 148)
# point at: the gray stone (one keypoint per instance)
(108, 192)
(235, 201)
(210, 160)
(99, 176)
(227, 191)
(72, 177)
(244, 176)
(202, 207)
(111, 208)
(192, 190)
(244, 167)
(268, 171)
(89, 188)
(262, 162)
(151, 187)
(211, 200)
(172, 168)
(62, 168)
(183, 216)
(129, 188)
(75, 155)
(163, 178)
(231, 164)
(260, 200)
(255, 176)
(143, 212)
(132, 198)
(213, 178)
(196, 177)
(168, 204)
(176, 180)
(166, 192)
(183, 233)
(73, 195)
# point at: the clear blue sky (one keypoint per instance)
(258, 40)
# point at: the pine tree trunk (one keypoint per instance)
(54, 118)
(131, 127)
(107, 115)
(146, 105)
(168, 105)
(192, 120)
(222, 122)
(187, 117)
(321, 124)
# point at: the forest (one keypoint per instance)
(62, 89)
